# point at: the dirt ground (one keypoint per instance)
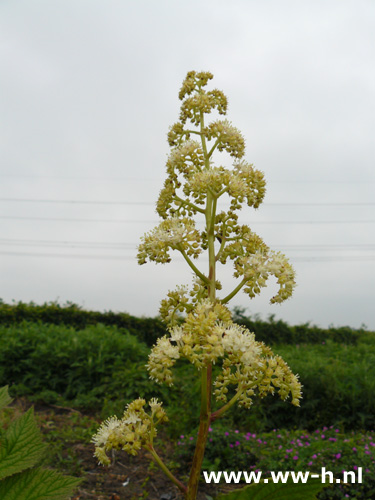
(129, 478)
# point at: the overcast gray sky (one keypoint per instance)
(88, 90)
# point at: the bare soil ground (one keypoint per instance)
(129, 478)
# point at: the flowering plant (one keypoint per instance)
(200, 326)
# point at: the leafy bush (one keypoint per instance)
(54, 360)
(224, 450)
(149, 329)
(282, 450)
(21, 448)
(146, 329)
(90, 367)
(339, 387)
(279, 332)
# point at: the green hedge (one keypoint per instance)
(146, 329)
(338, 388)
(57, 360)
(98, 368)
(149, 329)
(279, 332)
(103, 368)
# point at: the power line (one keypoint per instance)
(154, 179)
(104, 202)
(78, 202)
(131, 221)
(131, 245)
(53, 219)
(68, 256)
(125, 257)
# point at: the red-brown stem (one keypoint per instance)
(205, 419)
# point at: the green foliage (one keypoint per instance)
(89, 368)
(279, 332)
(52, 361)
(339, 387)
(149, 329)
(278, 491)
(21, 448)
(225, 450)
(283, 450)
(146, 329)
(37, 484)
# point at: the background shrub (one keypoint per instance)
(102, 367)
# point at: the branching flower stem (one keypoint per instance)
(234, 292)
(217, 414)
(192, 265)
(165, 469)
(206, 380)
(204, 425)
(208, 334)
(189, 204)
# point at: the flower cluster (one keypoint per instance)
(206, 335)
(175, 234)
(191, 179)
(135, 429)
(248, 366)
(260, 375)
(256, 268)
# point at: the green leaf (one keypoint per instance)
(21, 445)
(277, 491)
(38, 484)
(5, 399)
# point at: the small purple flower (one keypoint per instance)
(338, 455)
(295, 457)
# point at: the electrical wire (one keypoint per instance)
(104, 202)
(126, 257)
(132, 221)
